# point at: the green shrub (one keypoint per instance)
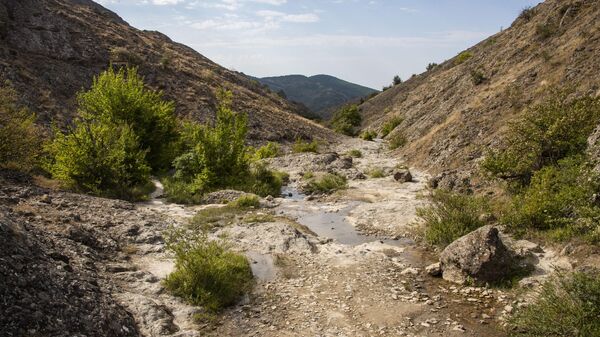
(451, 215)
(462, 57)
(346, 119)
(396, 140)
(375, 172)
(355, 153)
(207, 273)
(180, 191)
(327, 183)
(390, 125)
(547, 133)
(546, 30)
(568, 305)
(368, 135)
(431, 66)
(269, 150)
(527, 13)
(101, 158)
(20, 138)
(246, 201)
(397, 80)
(121, 98)
(477, 77)
(302, 146)
(558, 198)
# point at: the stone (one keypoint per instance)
(403, 176)
(480, 256)
(434, 269)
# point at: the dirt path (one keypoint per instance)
(318, 272)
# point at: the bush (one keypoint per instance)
(390, 125)
(355, 153)
(396, 140)
(558, 198)
(397, 80)
(346, 120)
(20, 138)
(547, 133)
(376, 172)
(431, 66)
(269, 150)
(568, 305)
(101, 158)
(368, 135)
(546, 30)
(207, 273)
(451, 215)
(462, 57)
(302, 146)
(121, 98)
(477, 77)
(246, 201)
(327, 183)
(527, 14)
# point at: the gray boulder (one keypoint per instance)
(403, 176)
(480, 257)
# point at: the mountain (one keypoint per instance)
(322, 94)
(453, 113)
(51, 49)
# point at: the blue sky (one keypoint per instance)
(362, 41)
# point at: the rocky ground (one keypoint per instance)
(338, 265)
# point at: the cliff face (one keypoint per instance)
(51, 49)
(456, 111)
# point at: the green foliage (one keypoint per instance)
(346, 120)
(355, 153)
(568, 305)
(246, 201)
(431, 66)
(326, 183)
(368, 135)
(375, 172)
(207, 273)
(101, 158)
(397, 80)
(462, 57)
(121, 98)
(559, 198)
(303, 146)
(20, 138)
(477, 77)
(269, 150)
(451, 215)
(390, 125)
(527, 14)
(547, 133)
(396, 140)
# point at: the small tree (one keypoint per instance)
(397, 80)
(346, 119)
(20, 139)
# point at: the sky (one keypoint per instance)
(361, 41)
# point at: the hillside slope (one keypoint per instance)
(456, 111)
(320, 93)
(51, 49)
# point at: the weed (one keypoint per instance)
(303, 146)
(463, 57)
(390, 125)
(327, 183)
(355, 153)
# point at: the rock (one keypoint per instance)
(480, 256)
(403, 176)
(410, 271)
(434, 269)
(358, 176)
(344, 163)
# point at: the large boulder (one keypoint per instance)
(403, 176)
(480, 257)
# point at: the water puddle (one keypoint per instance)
(334, 224)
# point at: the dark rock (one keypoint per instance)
(403, 176)
(480, 256)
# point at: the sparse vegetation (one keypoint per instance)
(346, 120)
(368, 135)
(431, 66)
(326, 183)
(246, 201)
(269, 150)
(568, 305)
(355, 153)
(396, 140)
(451, 215)
(477, 76)
(390, 125)
(124, 55)
(462, 57)
(376, 172)
(397, 80)
(20, 138)
(207, 273)
(546, 30)
(527, 14)
(303, 146)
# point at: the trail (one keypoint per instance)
(344, 265)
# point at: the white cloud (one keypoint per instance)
(166, 2)
(301, 18)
